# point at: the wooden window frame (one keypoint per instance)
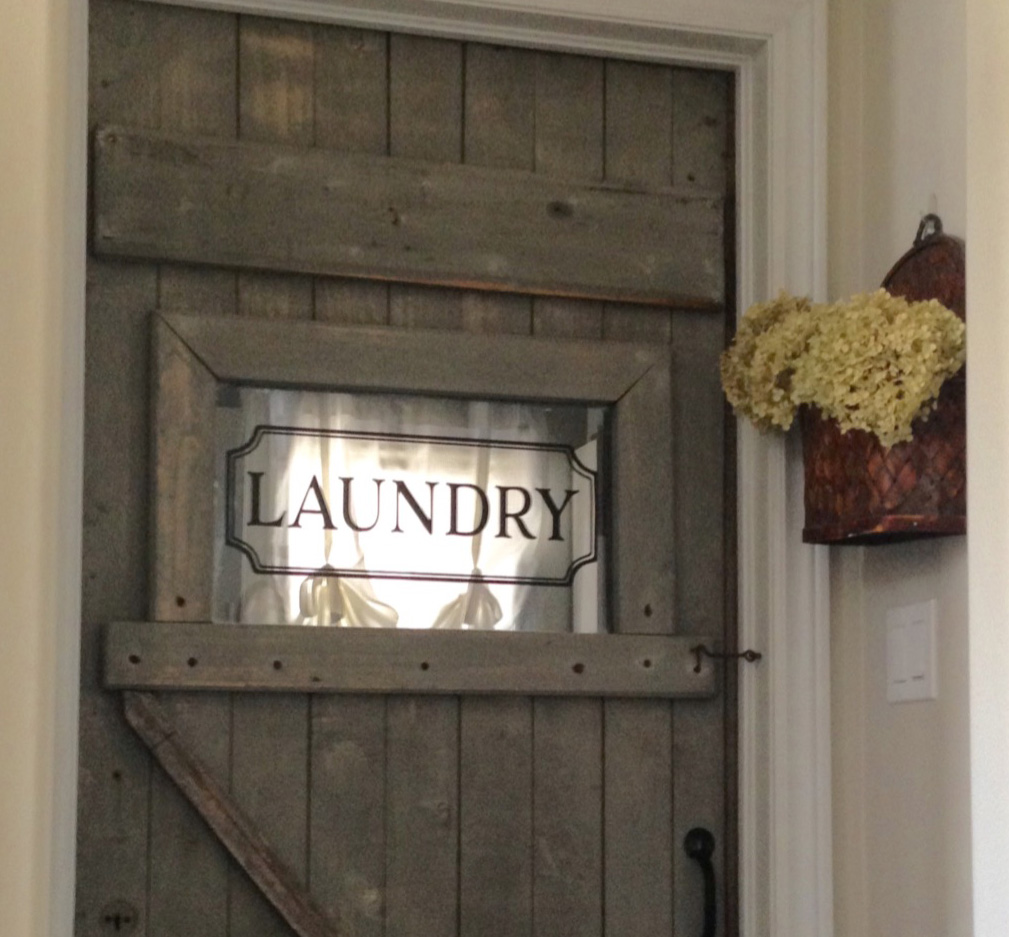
(195, 356)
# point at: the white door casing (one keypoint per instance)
(777, 50)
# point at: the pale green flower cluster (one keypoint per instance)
(874, 362)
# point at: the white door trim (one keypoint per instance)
(777, 48)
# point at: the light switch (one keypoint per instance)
(910, 652)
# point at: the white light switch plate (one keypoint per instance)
(910, 652)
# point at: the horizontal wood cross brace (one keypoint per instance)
(204, 656)
(285, 208)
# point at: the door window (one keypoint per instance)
(386, 511)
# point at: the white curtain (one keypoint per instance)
(366, 600)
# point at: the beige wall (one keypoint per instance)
(988, 447)
(901, 772)
(40, 321)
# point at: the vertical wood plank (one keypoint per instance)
(425, 307)
(422, 866)
(113, 794)
(351, 302)
(422, 870)
(425, 98)
(275, 105)
(116, 395)
(189, 866)
(638, 735)
(188, 872)
(498, 130)
(639, 123)
(182, 549)
(568, 733)
(197, 290)
(115, 771)
(699, 794)
(494, 313)
(698, 799)
(702, 121)
(567, 318)
(165, 68)
(495, 885)
(569, 115)
(500, 101)
(569, 144)
(351, 90)
(141, 65)
(149, 66)
(643, 570)
(347, 846)
(425, 122)
(270, 734)
(567, 818)
(638, 141)
(702, 117)
(638, 820)
(697, 342)
(173, 69)
(638, 152)
(120, 48)
(347, 820)
(627, 323)
(197, 94)
(274, 296)
(269, 780)
(276, 81)
(352, 115)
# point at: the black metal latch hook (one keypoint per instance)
(702, 650)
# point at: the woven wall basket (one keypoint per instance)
(859, 492)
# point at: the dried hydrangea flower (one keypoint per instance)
(757, 369)
(874, 362)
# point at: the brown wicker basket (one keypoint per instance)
(859, 492)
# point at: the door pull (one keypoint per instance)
(699, 844)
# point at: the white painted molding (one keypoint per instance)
(799, 842)
(777, 49)
(597, 24)
(43, 134)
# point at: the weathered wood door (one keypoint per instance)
(405, 816)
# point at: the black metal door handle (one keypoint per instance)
(699, 844)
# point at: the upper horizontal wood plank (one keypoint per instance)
(294, 209)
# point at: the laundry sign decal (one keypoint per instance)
(406, 506)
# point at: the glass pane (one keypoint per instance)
(369, 510)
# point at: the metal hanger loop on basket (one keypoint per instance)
(933, 223)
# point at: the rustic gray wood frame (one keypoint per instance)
(194, 355)
(249, 204)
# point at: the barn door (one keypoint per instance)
(401, 809)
